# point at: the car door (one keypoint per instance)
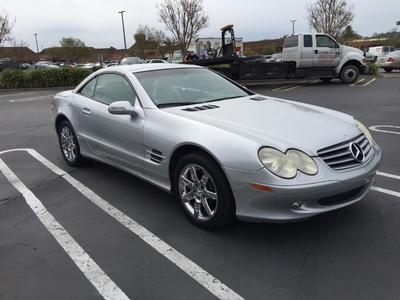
(326, 51)
(307, 54)
(116, 139)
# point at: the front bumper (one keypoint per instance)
(302, 197)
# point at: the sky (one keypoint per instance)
(98, 23)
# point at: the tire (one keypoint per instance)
(388, 70)
(326, 79)
(349, 74)
(69, 145)
(203, 192)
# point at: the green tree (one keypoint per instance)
(54, 53)
(269, 49)
(349, 35)
(329, 16)
(184, 19)
(73, 49)
(148, 39)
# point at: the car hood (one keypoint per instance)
(274, 122)
(347, 49)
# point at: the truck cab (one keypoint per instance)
(318, 54)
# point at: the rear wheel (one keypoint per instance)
(388, 70)
(203, 191)
(349, 74)
(69, 145)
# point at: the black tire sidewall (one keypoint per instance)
(343, 71)
(79, 160)
(225, 212)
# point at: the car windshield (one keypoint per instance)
(175, 87)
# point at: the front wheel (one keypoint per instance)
(203, 192)
(349, 74)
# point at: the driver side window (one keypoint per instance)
(112, 87)
(325, 41)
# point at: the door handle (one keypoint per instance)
(86, 111)
(316, 51)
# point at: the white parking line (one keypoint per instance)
(385, 191)
(375, 128)
(211, 283)
(30, 99)
(106, 287)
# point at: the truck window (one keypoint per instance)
(325, 41)
(291, 41)
(307, 40)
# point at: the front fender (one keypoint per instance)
(352, 59)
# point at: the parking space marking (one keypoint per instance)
(289, 87)
(30, 99)
(386, 191)
(106, 287)
(375, 128)
(388, 175)
(208, 281)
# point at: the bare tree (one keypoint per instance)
(18, 48)
(184, 19)
(5, 26)
(329, 16)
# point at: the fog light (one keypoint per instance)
(297, 204)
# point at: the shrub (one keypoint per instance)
(12, 79)
(60, 77)
(372, 69)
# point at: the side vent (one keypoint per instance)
(155, 156)
(203, 107)
(258, 98)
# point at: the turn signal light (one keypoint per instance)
(261, 187)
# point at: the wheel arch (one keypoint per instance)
(59, 120)
(181, 152)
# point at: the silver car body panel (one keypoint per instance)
(232, 132)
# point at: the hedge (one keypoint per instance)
(58, 77)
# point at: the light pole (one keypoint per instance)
(37, 47)
(293, 25)
(123, 27)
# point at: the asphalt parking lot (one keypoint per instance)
(97, 232)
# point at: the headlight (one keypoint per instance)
(365, 131)
(287, 165)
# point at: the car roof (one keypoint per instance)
(147, 67)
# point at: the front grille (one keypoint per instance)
(341, 198)
(340, 156)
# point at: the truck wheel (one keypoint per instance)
(203, 191)
(349, 74)
(388, 70)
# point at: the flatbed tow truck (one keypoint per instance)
(304, 55)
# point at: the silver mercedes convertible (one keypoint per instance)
(225, 152)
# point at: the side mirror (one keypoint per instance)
(121, 108)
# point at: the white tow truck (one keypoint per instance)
(304, 55)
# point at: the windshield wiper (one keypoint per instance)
(226, 98)
(173, 104)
